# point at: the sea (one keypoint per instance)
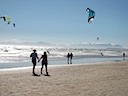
(15, 56)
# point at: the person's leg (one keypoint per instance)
(123, 57)
(34, 64)
(46, 68)
(33, 69)
(68, 60)
(47, 74)
(41, 68)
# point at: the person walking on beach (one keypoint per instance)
(123, 56)
(44, 62)
(68, 55)
(71, 56)
(34, 57)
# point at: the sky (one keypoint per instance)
(65, 21)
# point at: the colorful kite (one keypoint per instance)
(91, 15)
(6, 17)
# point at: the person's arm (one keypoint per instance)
(37, 56)
(31, 55)
(40, 58)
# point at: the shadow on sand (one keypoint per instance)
(36, 75)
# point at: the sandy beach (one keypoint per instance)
(103, 79)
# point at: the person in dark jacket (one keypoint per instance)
(71, 56)
(34, 57)
(123, 56)
(44, 62)
(68, 55)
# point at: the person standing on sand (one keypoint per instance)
(71, 56)
(44, 62)
(34, 57)
(68, 55)
(123, 56)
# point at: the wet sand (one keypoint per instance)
(103, 79)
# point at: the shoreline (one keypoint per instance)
(60, 62)
(61, 65)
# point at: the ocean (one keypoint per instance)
(13, 56)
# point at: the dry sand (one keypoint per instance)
(109, 79)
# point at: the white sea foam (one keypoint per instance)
(21, 53)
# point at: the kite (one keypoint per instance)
(48, 52)
(6, 17)
(91, 15)
(98, 38)
(3, 18)
(14, 24)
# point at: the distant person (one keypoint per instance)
(102, 54)
(71, 56)
(68, 55)
(123, 56)
(34, 57)
(44, 62)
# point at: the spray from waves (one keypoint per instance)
(20, 53)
